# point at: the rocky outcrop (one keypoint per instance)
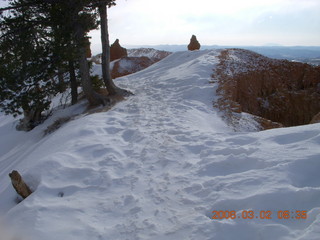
(153, 54)
(194, 44)
(129, 65)
(116, 51)
(138, 60)
(278, 90)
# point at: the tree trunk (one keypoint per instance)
(62, 87)
(93, 97)
(85, 78)
(31, 119)
(73, 83)
(106, 75)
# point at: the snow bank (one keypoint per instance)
(156, 166)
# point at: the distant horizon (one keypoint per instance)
(221, 45)
(97, 49)
(222, 23)
(96, 46)
(285, 23)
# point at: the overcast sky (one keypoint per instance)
(222, 22)
(214, 22)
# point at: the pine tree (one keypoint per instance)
(26, 71)
(82, 18)
(42, 40)
(39, 41)
(69, 43)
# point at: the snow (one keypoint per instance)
(243, 61)
(147, 52)
(156, 165)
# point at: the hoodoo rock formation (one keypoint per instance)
(116, 51)
(278, 90)
(194, 44)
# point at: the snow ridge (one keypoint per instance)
(156, 166)
(147, 52)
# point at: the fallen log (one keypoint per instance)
(19, 185)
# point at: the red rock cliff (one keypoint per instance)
(281, 91)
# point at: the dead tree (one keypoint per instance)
(19, 185)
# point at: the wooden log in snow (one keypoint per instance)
(19, 185)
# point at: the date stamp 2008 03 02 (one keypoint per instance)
(262, 214)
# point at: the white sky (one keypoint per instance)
(221, 22)
(214, 22)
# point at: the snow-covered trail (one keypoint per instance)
(156, 166)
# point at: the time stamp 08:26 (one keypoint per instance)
(251, 214)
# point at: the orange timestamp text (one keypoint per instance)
(251, 214)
